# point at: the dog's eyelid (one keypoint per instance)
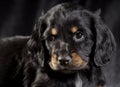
(74, 29)
(53, 31)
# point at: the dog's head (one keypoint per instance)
(74, 38)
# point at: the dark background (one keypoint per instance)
(17, 17)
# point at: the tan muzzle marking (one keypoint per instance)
(77, 60)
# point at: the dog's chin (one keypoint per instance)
(67, 69)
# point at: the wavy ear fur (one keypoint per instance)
(35, 55)
(105, 42)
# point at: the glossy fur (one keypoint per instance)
(67, 48)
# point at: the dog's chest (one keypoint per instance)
(78, 81)
(75, 82)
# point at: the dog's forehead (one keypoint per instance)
(65, 21)
(67, 17)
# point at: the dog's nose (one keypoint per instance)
(64, 61)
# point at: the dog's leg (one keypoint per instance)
(40, 80)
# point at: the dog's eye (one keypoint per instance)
(51, 38)
(79, 36)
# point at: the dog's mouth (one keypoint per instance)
(69, 64)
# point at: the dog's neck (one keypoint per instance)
(67, 80)
(59, 79)
(76, 79)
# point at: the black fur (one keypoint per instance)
(30, 56)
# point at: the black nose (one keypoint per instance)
(64, 61)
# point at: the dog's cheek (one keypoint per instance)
(77, 61)
(54, 63)
(54, 59)
(85, 47)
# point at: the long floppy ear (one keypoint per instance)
(105, 42)
(34, 55)
(35, 47)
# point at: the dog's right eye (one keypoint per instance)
(51, 38)
(79, 36)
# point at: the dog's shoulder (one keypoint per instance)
(10, 49)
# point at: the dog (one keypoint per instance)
(67, 48)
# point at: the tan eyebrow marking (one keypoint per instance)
(74, 29)
(54, 31)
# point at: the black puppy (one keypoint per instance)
(67, 48)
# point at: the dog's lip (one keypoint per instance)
(71, 68)
(65, 70)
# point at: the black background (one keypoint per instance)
(17, 17)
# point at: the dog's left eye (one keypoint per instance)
(51, 38)
(79, 36)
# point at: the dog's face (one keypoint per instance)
(69, 41)
(69, 46)
(72, 35)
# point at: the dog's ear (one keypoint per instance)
(34, 54)
(35, 47)
(105, 42)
